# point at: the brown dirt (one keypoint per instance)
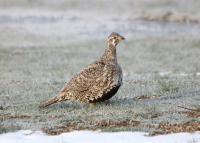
(176, 128)
(172, 17)
(19, 117)
(55, 117)
(16, 53)
(134, 82)
(148, 97)
(27, 117)
(16, 81)
(98, 125)
(30, 133)
(190, 114)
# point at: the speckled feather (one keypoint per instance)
(98, 81)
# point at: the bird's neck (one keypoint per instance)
(110, 52)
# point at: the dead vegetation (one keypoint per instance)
(191, 114)
(90, 125)
(100, 125)
(175, 128)
(170, 17)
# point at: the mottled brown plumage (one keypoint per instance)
(98, 81)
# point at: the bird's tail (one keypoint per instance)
(49, 102)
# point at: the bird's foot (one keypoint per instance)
(92, 104)
(104, 101)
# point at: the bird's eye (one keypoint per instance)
(114, 37)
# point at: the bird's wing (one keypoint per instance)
(86, 78)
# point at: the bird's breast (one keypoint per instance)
(118, 75)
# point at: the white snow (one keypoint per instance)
(164, 73)
(181, 74)
(28, 136)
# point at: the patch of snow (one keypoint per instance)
(28, 136)
(163, 73)
(183, 74)
(198, 73)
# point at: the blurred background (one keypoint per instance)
(64, 20)
(161, 35)
(157, 32)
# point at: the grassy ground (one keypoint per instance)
(161, 70)
(32, 75)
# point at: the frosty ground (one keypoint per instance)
(44, 44)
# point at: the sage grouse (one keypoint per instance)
(97, 82)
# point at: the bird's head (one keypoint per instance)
(115, 38)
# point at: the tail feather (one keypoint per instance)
(49, 102)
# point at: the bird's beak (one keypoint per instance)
(122, 38)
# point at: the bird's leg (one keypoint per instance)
(104, 101)
(92, 104)
(107, 101)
